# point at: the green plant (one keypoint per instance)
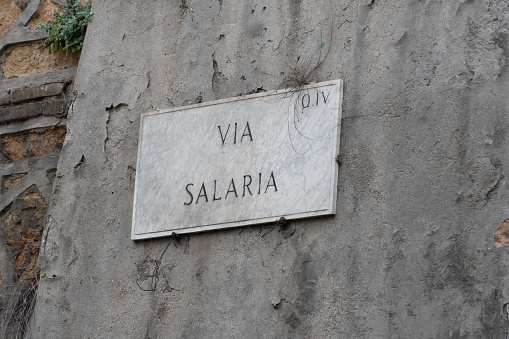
(67, 30)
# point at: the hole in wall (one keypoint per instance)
(502, 234)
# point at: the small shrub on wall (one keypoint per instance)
(67, 30)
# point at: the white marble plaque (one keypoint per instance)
(239, 161)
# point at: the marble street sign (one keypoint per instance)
(238, 161)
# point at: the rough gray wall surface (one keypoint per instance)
(422, 183)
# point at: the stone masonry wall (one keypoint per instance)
(35, 93)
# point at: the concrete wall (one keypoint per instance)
(422, 183)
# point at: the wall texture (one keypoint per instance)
(35, 91)
(422, 183)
